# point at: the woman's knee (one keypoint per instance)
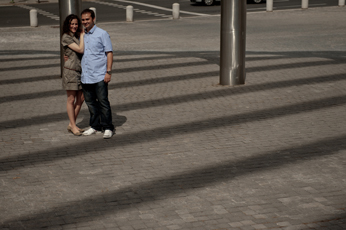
(71, 97)
(80, 99)
(70, 100)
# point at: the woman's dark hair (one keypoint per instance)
(67, 22)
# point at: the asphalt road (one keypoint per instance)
(17, 15)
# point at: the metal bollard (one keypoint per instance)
(341, 2)
(94, 9)
(129, 13)
(176, 9)
(269, 5)
(33, 18)
(305, 4)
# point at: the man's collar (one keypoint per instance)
(92, 29)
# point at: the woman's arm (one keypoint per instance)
(78, 48)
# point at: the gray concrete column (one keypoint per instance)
(129, 13)
(33, 18)
(269, 5)
(305, 4)
(176, 10)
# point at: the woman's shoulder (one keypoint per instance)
(67, 39)
(67, 36)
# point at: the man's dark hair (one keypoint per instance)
(91, 12)
(67, 22)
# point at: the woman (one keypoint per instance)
(73, 45)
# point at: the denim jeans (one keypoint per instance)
(96, 98)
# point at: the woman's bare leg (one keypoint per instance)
(78, 103)
(70, 107)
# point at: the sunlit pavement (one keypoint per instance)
(187, 153)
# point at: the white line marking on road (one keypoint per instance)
(259, 8)
(294, 6)
(159, 7)
(323, 4)
(44, 13)
(136, 10)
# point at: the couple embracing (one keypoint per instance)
(87, 71)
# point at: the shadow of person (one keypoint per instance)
(118, 120)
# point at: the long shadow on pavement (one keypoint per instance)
(21, 52)
(28, 59)
(212, 57)
(29, 79)
(223, 92)
(141, 193)
(118, 71)
(337, 222)
(40, 157)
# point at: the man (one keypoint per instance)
(96, 74)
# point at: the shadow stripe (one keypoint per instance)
(40, 157)
(248, 70)
(146, 192)
(224, 92)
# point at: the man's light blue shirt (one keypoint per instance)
(94, 62)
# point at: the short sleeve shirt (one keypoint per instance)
(94, 62)
(74, 58)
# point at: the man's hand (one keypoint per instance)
(65, 58)
(107, 78)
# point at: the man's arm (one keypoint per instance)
(109, 66)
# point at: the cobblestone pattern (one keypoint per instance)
(188, 153)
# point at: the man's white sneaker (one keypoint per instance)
(108, 134)
(89, 132)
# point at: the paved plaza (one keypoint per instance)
(188, 153)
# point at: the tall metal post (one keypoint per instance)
(233, 38)
(67, 7)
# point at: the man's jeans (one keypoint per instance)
(96, 98)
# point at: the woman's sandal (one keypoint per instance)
(76, 134)
(69, 129)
